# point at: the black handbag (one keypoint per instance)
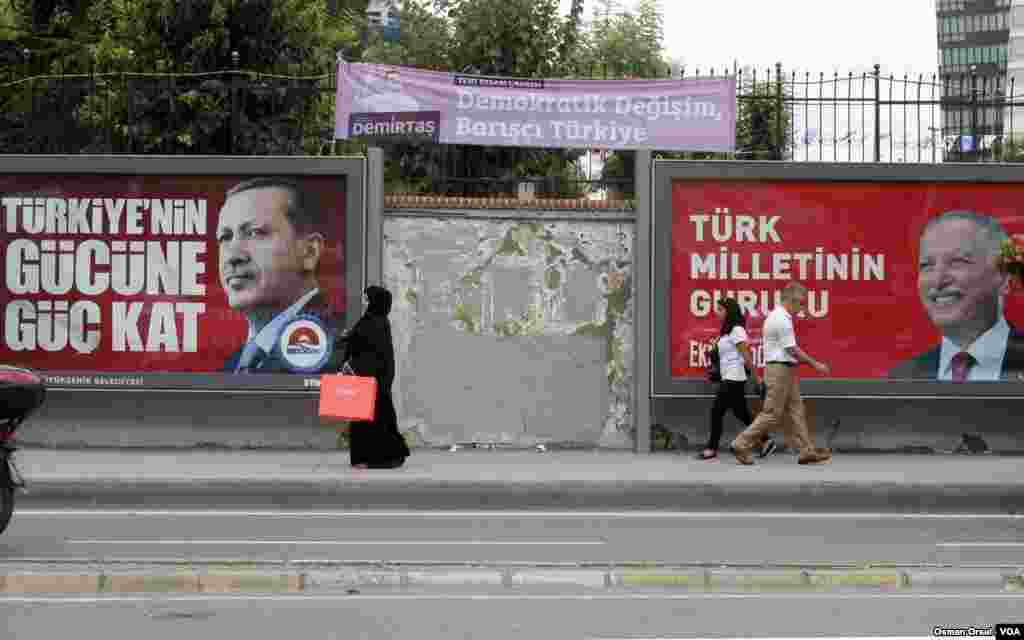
(714, 366)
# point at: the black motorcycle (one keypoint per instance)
(21, 393)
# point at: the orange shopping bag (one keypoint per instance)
(348, 397)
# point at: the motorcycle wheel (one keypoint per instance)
(6, 506)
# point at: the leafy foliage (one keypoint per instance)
(623, 43)
(114, 106)
(763, 123)
(506, 37)
(253, 76)
(424, 40)
(1008, 150)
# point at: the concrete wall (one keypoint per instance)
(151, 419)
(122, 419)
(890, 425)
(512, 327)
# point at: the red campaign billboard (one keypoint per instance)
(151, 280)
(888, 298)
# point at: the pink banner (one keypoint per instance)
(381, 102)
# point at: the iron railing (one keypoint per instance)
(852, 117)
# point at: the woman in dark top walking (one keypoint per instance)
(736, 360)
(370, 352)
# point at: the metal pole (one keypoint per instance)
(780, 119)
(642, 303)
(975, 147)
(235, 105)
(374, 253)
(878, 113)
(129, 85)
(1013, 108)
(30, 120)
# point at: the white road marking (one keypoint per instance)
(358, 543)
(980, 544)
(662, 515)
(299, 598)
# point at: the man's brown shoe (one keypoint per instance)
(743, 455)
(818, 456)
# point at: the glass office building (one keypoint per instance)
(981, 64)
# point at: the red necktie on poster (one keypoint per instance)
(962, 363)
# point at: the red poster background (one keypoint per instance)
(222, 331)
(871, 326)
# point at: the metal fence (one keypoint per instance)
(797, 116)
(220, 113)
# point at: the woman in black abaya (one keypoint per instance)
(370, 352)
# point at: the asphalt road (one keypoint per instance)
(499, 617)
(514, 537)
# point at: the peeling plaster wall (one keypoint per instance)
(512, 330)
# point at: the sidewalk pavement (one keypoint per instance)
(499, 479)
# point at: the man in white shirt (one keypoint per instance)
(963, 291)
(270, 240)
(783, 401)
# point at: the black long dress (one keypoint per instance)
(370, 352)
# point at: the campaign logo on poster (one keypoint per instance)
(424, 126)
(305, 344)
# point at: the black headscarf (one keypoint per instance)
(369, 347)
(380, 301)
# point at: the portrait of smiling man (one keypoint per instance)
(964, 292)
(270, 239)
(385, 95)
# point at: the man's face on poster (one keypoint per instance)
(959, 282)
(392, 82)
(263, 262)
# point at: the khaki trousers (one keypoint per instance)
(783, 408)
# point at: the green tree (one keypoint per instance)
(624, 42)
(506, 37)
(764, 119)
(173, 112)
(1008, 150)
(524, 38)
(424, 40)
(570, 37)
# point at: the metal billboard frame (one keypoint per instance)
(666, 172)
(351, 170)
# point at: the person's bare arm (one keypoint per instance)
(748, 359)
(801, 356)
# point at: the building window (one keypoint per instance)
(1017, 47)
(951, 5)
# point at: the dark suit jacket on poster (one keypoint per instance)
(275, 361)
(926, 365)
